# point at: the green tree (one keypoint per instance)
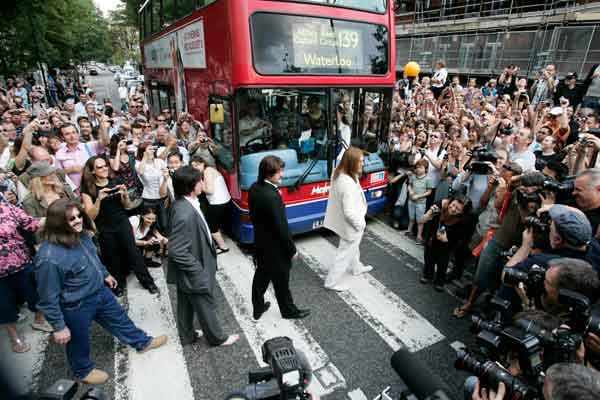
(56, 32)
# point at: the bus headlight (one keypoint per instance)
(376, 194)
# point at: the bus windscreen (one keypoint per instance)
(301, 45)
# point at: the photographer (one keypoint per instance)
(473, 389)
(565, 381)
(587, 196)
(570, 235)
(570, 274)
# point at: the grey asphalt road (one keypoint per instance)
(354, 347)
(105, 86)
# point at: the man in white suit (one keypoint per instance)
(345, 215)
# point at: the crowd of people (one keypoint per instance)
(502, 178)
(484, 177)
(86, 192)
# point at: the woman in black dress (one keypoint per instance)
(445, 229)
(105, 203)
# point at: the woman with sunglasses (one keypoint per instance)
(74, 291)
(106, 204)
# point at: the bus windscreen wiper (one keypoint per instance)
(302, 177)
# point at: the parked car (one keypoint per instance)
(93, 71)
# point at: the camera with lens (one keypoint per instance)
(287, 376)
(491, 374)
(532, 279)
(560, 345)
(480, 157)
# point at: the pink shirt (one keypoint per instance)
(66, 157)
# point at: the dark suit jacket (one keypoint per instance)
(272, 237)
(192, 256)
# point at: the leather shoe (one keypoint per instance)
(153, 289)
(95, 377)
(298, 314)
(257, 314)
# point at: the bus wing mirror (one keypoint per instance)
(217, 114)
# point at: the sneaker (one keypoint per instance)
(362, 270)
(155, 343)
(95, 377)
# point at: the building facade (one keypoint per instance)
(480, 38)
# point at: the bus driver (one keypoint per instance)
(251, 126)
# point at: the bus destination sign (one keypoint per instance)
(291, 44)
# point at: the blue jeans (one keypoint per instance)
(103, 308)
(489, 268)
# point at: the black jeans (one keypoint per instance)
(120, 255)
(436, 253)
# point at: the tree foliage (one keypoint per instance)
(55, 32)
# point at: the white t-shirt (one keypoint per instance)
(123, 92)
(441, 75)
(5, 157)
(526, 159)
(137, 232)
(152, 178)
(433, 173)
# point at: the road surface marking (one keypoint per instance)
(235, 278)
(357, 394)
(161, 373)
(398, 324)
(391, 236)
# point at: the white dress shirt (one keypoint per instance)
(196, 204)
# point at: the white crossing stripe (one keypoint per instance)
(357, 394)
(398, 324)
(161, 373)
(391, 236)
(235, 278)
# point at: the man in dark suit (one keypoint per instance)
(273, 242)
(193, 262)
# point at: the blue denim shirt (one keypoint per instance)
(66, 276)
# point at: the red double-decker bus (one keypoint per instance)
(298, 79)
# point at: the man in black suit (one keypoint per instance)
(273, 242)
(193, 262)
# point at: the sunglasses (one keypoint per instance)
(75, 217)
(161, 120)
(102, 166)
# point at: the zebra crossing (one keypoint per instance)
(348, 339)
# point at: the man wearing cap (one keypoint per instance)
(570, 236)
(559, 123)
(568, 90)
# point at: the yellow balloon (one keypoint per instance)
(412, 69)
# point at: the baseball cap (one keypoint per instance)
(514, 167)
(572, 224)
(571, 75)
(556, 111)
(40, 169)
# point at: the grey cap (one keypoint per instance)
(572, 224)
(40, 169)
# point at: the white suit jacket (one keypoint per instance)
(346, 208)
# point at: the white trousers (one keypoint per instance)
(347, 258)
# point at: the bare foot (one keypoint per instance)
(230, 340)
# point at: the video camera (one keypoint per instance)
(287, 376)
(480, 156)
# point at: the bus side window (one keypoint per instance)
(221, 127)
